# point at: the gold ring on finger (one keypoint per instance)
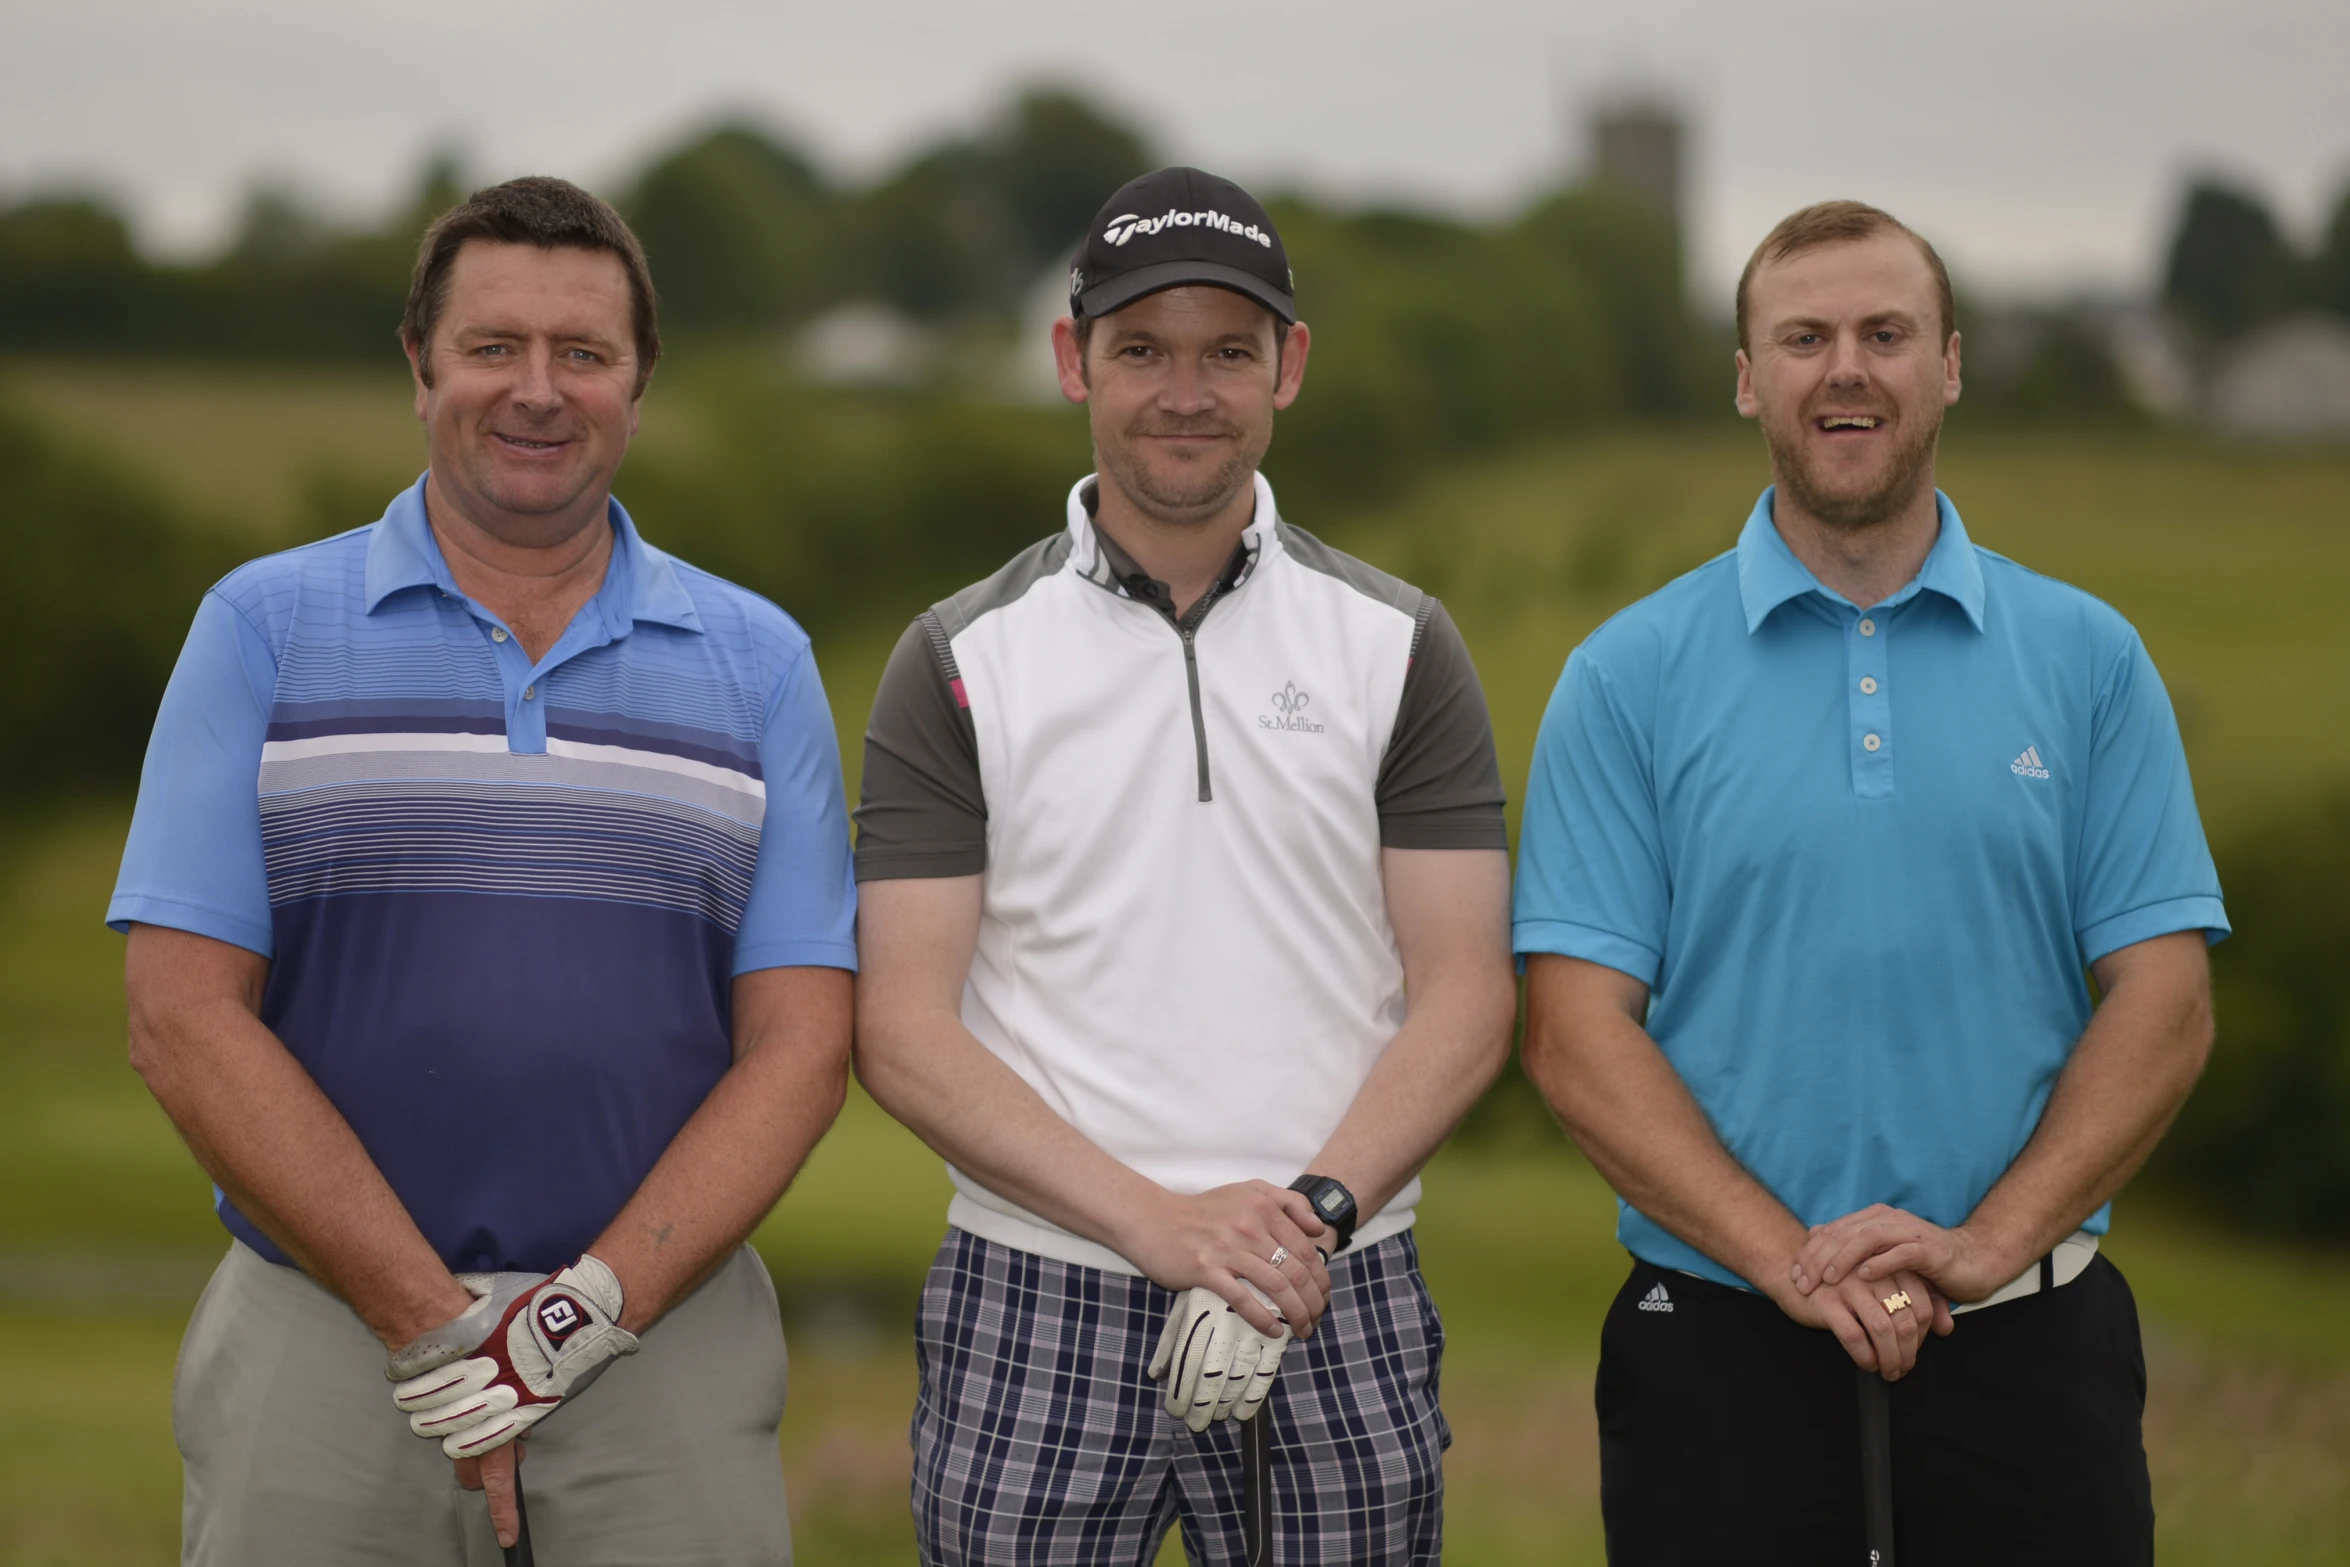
(1280, 1256)
(1897, 1301)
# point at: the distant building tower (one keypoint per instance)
(1636, 148)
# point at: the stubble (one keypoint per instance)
(1849, 510)
(1180, 493)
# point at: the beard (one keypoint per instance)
(1180, 493)
(1895, 486)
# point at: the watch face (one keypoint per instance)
(1331, 1202)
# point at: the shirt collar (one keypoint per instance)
(1769, 574)
(640, 584)
(1124, 571)
(1090, 549)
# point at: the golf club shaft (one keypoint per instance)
(519, 1554)
(1256, 1489)
(1876, 1465)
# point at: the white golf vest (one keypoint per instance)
(1184, 945)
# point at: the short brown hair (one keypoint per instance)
(536, 210)
(1836, 223)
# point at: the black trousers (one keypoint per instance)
(1727, 1433)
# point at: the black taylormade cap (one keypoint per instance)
(1174, 227)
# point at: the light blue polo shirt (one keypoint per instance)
(504, 900)
(1860, 858)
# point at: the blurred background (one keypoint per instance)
(1514, 233)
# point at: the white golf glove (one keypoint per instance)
(1214, 1363)
(527, 1342)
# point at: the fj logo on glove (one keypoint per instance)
(559, 1318)
(1291, 704)
(529, 1342)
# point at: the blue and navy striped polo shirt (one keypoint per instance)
(504, 902)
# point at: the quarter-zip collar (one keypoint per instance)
(1128, 577)
(1095, 556)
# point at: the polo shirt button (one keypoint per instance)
(497, 633)
(530, 691)
(1870, 742)
(1868, 628)
(1868, 685)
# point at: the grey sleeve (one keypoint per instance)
(920, 811)
(1440, 782)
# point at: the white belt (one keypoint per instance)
(2060, 1267)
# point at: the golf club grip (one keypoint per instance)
(1876, 1465)
(1256, 1489)
(519, 1553)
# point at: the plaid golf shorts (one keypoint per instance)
(1040, 1439)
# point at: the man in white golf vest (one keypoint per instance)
(1161, 823)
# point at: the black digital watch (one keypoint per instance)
(1333, 1204)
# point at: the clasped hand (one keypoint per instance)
(1845, 1271)
(1880, 1241)
(509, 1360)
(1235, 1306)
(1217, 1238)
(1214, 1364)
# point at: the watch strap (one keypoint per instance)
(1333, 1204)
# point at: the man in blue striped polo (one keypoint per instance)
(1818, 843)
(490, 924)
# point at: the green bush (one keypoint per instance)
(2265, 1141)
(103, 577)
(739, 230)
(845, 505)
(1435, 339)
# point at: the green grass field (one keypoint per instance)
(244, 446)
(109, 1235)
(2231, 563)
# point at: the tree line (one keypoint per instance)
(2232, 268)
(745, 234)
(748, 235)
(1440, 335)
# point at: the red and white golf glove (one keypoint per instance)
(528, 1342)
(1214, 1363)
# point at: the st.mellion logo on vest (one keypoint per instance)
(1127, 224)
(1291, 704)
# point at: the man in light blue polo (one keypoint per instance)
(490, 924)
(1818, 841)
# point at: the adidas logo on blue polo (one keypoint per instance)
(1656, 1299)
(2029, 764)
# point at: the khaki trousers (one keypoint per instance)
(295, 1457)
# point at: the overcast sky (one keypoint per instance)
(2042, 143)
